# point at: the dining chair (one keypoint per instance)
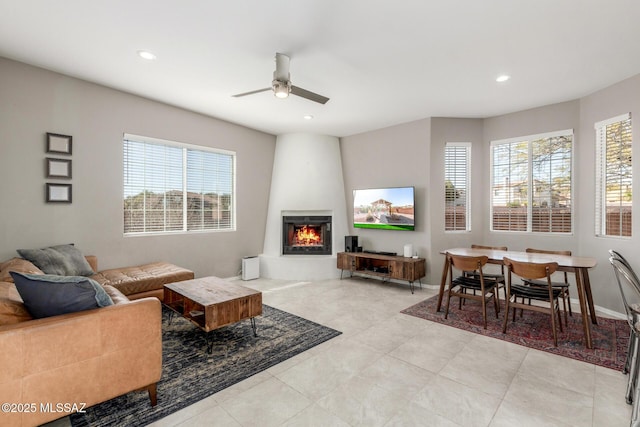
(632, 336)
(629, 287)
(562, 286)
(484, 289)
(543, 295)
(497, 277)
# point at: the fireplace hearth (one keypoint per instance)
(306, 235)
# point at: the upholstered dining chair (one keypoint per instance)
(629, 287)
(547, 297)
(484, 289)
(562, 286)
(497, 277)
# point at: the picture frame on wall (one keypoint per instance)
(58, 168)
(58, 193)
(58, 143)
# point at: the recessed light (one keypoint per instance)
(308, 117)
(145, 54)
(502, 78)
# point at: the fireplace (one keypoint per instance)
(306, 235)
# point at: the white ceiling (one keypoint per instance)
(381, 62)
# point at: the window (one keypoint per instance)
(614, 176)
(457, 160)
(531, 183)
(173, 187)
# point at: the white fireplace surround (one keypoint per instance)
(306, 180)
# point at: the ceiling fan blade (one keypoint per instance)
(251, 93)
(309, 95)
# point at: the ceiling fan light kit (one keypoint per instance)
(281, 84)
(281, 89)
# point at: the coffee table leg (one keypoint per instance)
(253, 325)
(209, 343)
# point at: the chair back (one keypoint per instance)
(531, 270)
(467, 263)
(495, 248)
(623, 260)
(545, 251)
(629, 288)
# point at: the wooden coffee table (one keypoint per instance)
(211, 303)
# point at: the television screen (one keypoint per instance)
(384, 208)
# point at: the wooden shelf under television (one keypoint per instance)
(386, 267)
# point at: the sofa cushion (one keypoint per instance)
(17, 264)
(12, 309)
(116, 296)
(143, 278)
(49, 295)
(62, 260)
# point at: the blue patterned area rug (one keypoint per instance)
(190, 374)
(610, 337)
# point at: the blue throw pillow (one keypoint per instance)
(47, 295)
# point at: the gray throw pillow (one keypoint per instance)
(63, 260)
(49, 295)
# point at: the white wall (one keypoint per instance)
(397, 156)
(34, 101)
(618, 99)
(413, 153)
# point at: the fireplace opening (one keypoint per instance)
(306, 235)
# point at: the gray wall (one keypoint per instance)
(397, 156)
(34, 101)
(413, 153)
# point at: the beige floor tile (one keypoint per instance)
(397, 376)
(609, 404)
(322, 373)
(432, 348)
(459, 403)
(361, 402)
(215, 416)
(486, 364)
(542, 397)
(315, 416)
(413, 415)
(511, 414)
(270, 403)
(560, 371)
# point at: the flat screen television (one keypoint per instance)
(384, 208)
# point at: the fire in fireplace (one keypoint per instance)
(306, 235)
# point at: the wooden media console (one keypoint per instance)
(385, 267)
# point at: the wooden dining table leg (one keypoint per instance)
(589, 295)
(443, 282)
(584, 309)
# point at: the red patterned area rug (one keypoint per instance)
(533, 330)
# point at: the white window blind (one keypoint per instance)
(173, 187)
(531, 188)
(614, 177)
(457, 163)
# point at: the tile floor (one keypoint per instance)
(390, 369)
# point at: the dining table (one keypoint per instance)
(578, 265)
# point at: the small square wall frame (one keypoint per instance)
(58, 193)
(58, 168)
(59, 144)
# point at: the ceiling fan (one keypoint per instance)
(281, 84)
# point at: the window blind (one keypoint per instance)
(456, 189)
(614, 177)
(172, 187)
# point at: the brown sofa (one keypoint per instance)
(140, 281)
(81, 358)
